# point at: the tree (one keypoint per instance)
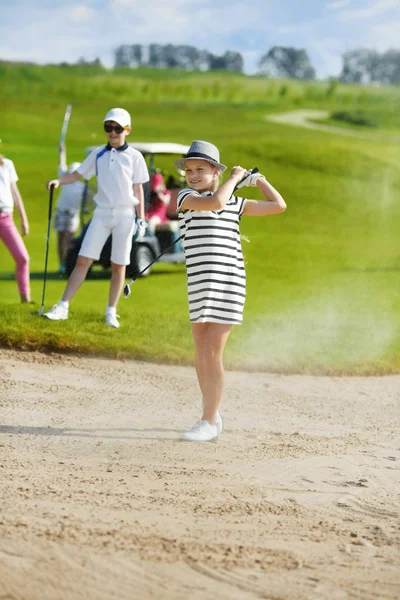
(128, 55)
(82, 62)
(390, 67)
(360, 66)
(176, 57)
(364, 65)
(156, 56)
(282, 61)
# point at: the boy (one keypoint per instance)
(121, 172)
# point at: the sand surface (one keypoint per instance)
(299, 498)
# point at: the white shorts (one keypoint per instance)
(120, 223)
(66, 221)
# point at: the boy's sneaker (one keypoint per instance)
(202, 431)
(112, 319)
(219, 423)
(57, 313)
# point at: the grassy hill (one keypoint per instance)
(322, 278)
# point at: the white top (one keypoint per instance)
(117, 169)
(8, 175)
(71, 196)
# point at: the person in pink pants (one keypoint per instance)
(9, 234)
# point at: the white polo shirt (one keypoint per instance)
(117, 169)
(8, 175)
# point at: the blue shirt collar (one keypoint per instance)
(120, 149)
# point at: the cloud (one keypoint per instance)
(372, 10)
(383, 36)
(303, 27)
(82, 13)
(327, 53)
(339, 4)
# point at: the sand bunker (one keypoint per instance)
(299, 499)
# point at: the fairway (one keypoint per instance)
(322, 278)
(298, 499)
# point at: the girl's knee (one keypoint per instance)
(22, 261)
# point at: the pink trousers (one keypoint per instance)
(11, 237)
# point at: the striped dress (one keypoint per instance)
(214, 261)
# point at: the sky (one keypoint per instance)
(45, 31)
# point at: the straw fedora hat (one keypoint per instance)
(201, 151)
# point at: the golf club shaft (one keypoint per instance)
(155, 260)
(47, 246)
(64, 128)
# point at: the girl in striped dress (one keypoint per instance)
(209, 218)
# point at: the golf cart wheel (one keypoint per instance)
(141, 256)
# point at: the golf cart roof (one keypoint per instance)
(154, 148)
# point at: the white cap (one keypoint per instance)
(120, 116)
(73, 167)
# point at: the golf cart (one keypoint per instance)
(146, 250)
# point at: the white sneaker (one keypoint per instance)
(202, 431)
(112, 320)
(219, 423)
(57, 313)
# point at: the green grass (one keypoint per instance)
(322, 278)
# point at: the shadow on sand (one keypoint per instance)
(84, 433)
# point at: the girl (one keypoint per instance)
(209, 220)
(66, 218)
(9, 234)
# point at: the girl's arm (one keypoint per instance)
(219, 197)
(275, 203)
(19, 205)
(139, 194)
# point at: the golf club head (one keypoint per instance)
(127, 290)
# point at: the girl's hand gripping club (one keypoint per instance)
(250, 179)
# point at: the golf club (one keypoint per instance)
(47, 248)
(64, 128)
(63, 135)
(127, 289)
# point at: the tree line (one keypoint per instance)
(176, 57)
(361, 65)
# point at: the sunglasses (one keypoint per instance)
(117, 128)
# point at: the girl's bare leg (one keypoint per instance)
(210, 340)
